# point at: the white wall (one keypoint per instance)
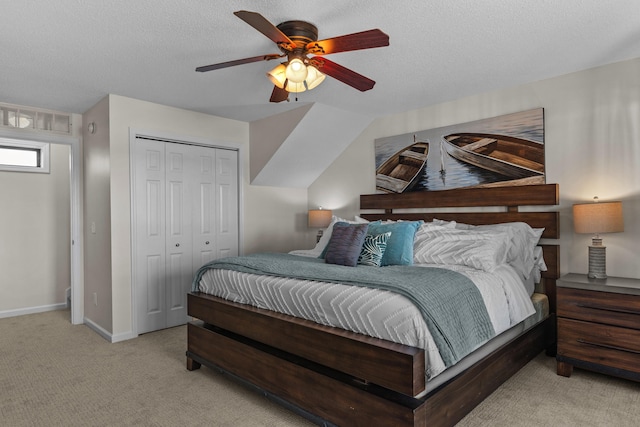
(35, 236)
(97, 218)
(592, 139)
(271, 218)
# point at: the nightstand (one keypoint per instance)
(598, 325)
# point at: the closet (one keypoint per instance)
(185, 214)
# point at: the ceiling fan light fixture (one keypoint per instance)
(296, 40)
(296, 71)
(278, 76)
(314, 77)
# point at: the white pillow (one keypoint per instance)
(538, 264)
(482, 250)
(536, 272)
(443, 223)
(452, 224)
(523, 240)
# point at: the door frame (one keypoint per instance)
(76, 238)
(177, 139)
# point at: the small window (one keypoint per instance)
(24, 156)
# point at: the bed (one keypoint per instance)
(340, 377)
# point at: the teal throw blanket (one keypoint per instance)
(450, 303)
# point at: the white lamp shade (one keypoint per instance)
(319, 218)
(296, 71)
(278, 75)
(295, 87)
(595, 218)
(314, 77)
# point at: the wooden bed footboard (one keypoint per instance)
(394, 366)
(328, 392)
(349, 379)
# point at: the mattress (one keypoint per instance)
(377, 313)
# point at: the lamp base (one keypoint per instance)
(319, 236)
(597, 262)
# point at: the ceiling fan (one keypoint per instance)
(298, 39)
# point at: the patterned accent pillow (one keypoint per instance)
(346, 244)
(373, 249)
(400, 244)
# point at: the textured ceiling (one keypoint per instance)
(68, 54)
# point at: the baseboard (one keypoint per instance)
(32, 310)
(108, 335)
(123, 336)
(98, 329)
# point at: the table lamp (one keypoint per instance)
(595, 218)
(319, 218)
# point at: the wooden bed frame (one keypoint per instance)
(349, 379)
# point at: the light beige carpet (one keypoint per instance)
(536, 396)
(53, 373)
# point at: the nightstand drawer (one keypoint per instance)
(601, 307)
(601, 344)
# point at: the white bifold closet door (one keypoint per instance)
(185, 215)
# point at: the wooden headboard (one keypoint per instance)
(507, 202)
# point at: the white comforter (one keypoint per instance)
(380, 314)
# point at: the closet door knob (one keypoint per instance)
(177, 245)
(206, 243)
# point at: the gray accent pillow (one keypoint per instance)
(346, 244)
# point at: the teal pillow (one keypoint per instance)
(373, 249)
(400, 244)
(346, 244)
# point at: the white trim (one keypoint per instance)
(123, 336)
(108, 335)
(76, 250)
(181, 139)
(98, 329)
(43, 147)
(32, 310)
(167, 137)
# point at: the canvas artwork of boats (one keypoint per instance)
(401, 171)
(514, 158)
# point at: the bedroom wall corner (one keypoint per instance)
(97, 219)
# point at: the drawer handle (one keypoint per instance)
(610, 347)
(614, 310)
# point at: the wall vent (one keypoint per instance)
(19, 117)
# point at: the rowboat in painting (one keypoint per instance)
(509, 156)
(401, 171)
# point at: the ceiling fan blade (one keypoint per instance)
(278, 95)
(343, 74)
(261, 24)
(238, 62)
(356, 41)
